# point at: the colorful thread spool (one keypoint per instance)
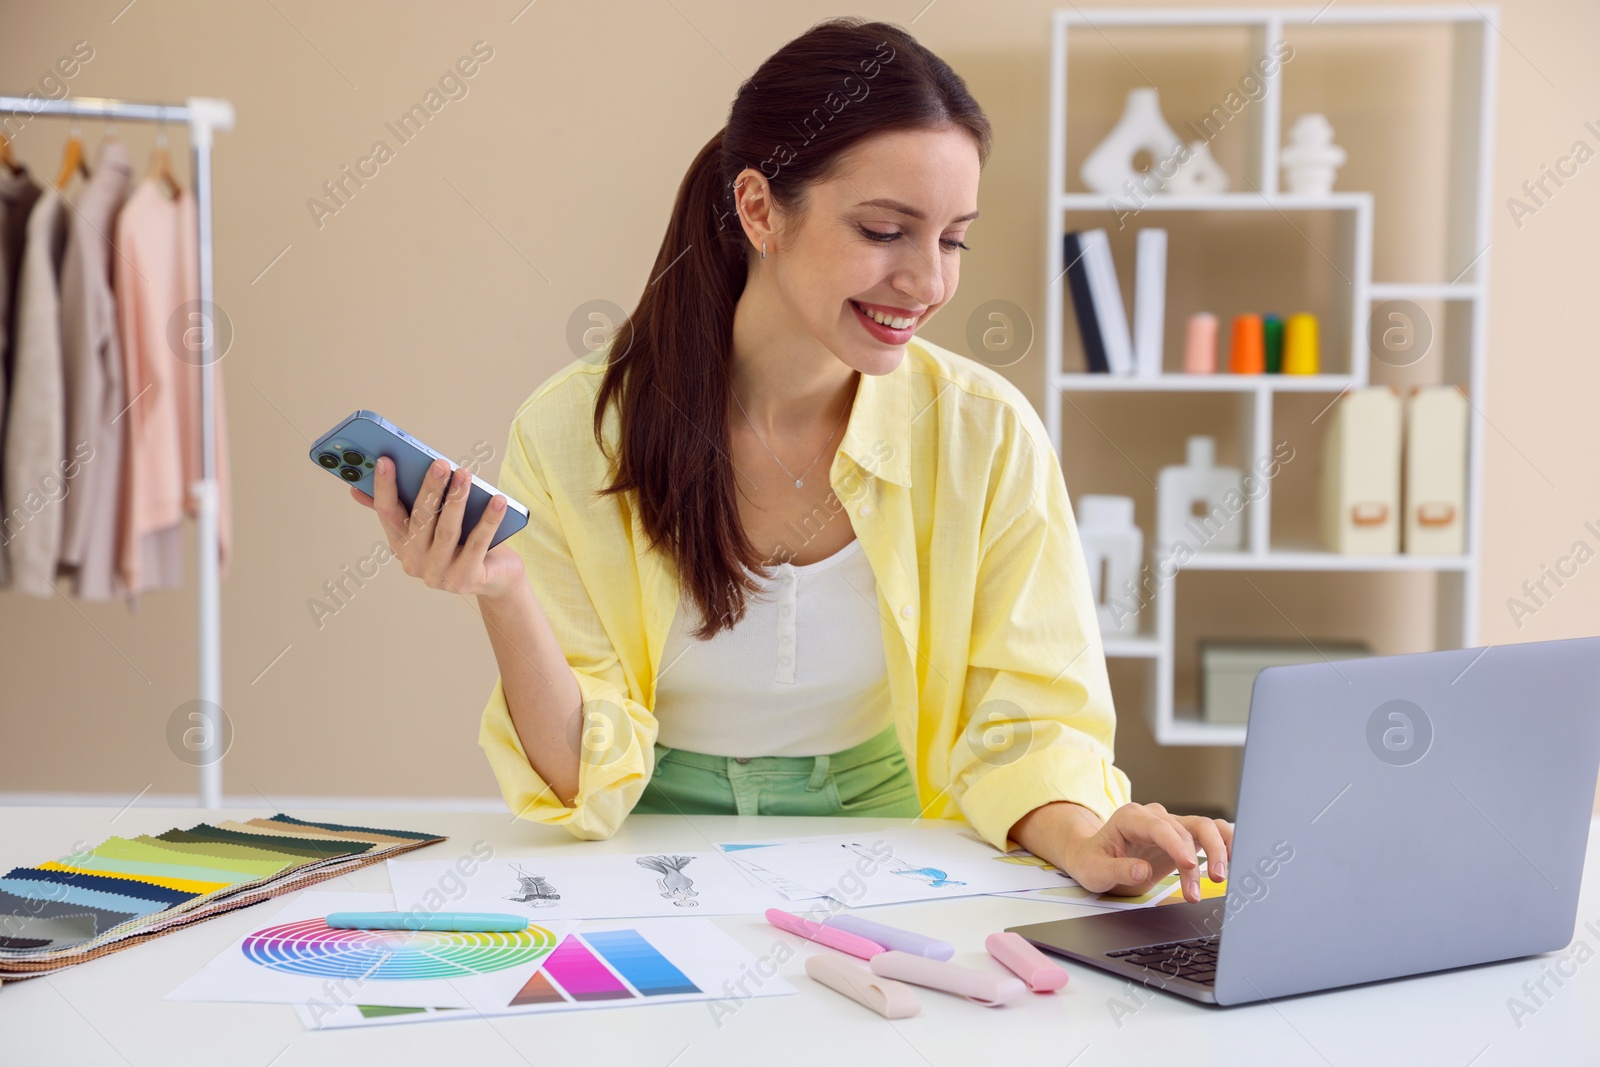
(1200, 344)
(1247, 353)
(1300, 344)
(1272, 330)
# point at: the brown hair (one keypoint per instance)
(841, 81)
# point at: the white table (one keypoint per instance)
(111, 1011)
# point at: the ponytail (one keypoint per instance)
(670, 368)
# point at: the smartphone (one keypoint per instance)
(350, 452)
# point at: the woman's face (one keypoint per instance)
(883, 234)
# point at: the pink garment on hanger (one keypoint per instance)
(158, 292)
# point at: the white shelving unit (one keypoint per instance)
(1466, 237)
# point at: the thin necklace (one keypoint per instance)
(801, 480)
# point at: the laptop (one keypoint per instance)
(1397, 815)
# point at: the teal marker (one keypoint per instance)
(476, 922)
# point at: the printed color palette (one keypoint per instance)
(608, 965)
(310, 947)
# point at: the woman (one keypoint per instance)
(777, 543)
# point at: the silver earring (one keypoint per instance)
(763, 250)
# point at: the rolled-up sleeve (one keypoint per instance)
(1037, 721)
(619, 732)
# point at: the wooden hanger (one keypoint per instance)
(6, 157)
(72, 160)
(161, 164)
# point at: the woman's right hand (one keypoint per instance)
(425, 539)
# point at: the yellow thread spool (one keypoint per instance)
(1300, 344)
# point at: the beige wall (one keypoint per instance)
(440, 296)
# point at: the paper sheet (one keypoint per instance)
(609, 963)
(293, 958)
(1163, 892)
(895, 866)
(599, 886)
(1076, 894)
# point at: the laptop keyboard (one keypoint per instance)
(1194, 959)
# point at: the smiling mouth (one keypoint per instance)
(893, 322)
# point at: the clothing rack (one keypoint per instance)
(203, 116)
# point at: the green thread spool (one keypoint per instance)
(1272, 329)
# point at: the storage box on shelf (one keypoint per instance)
(1349, 365)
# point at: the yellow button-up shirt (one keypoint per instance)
(996, 672)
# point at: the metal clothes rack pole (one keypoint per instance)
(204, 117)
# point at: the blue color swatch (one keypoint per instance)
(640, 962)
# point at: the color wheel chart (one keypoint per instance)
(604, 965)
(310, 947)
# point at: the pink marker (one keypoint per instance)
(1026, 962)
(824, 935)
(990, 990)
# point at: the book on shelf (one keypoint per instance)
(1149, 301)
(1097, 302)
(1094, 352)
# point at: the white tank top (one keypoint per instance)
(802, 674)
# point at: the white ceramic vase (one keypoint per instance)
(1109, 168)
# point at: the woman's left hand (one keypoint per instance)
(1131, 851)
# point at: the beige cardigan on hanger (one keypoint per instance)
(36, 458)
(18, 195)
(93, 376)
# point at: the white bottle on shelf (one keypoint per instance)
(1199, 505)
(1113, 547)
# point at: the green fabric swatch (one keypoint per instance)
(404, 835)
(92, 864)
(216, 851)
(292, 846)
(121, 848)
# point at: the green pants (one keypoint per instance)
(871, 778)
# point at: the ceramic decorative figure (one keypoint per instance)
(1199, 174)
(1199, 505)
(1109, 168)
(1113, 548)
(1310, 159)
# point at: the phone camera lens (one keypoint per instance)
(350, 474)
(354, 458)
(329, 460)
